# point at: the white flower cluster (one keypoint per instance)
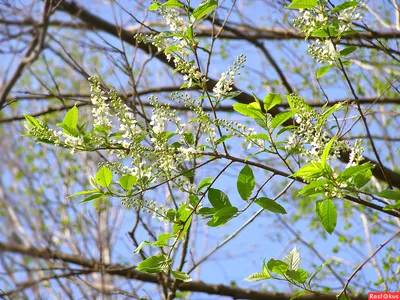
(318, 21)
(173, 19)
(324, 50)
(309, 139)
(190, 72)
(100, 108)
(355, 156)
(227, 80)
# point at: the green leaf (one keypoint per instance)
(390, 194)
(327, 113)
(204, 8)
(292, 259)
(245, 182)
(189, 33)
(362, 178)
(354, 170)
(32, 121)
(326, 213)
(141, 246)
(271, 205)
(154, 6)
(323, 70)
(207, 211)
(68, 129)
(104, 177)
(271, 100)
(223, 138)
(248, 111)
(162, 239)
(327, 149)
(281, 118)
(218, 198)
(181, 276)
(258, 276)
(261, 136)
(314, 187)
(320, 33)
(222, 216)
(189, 138)
(93, 197)
(155, 264)
(172, 4)
(277, 266)
(297, 4)
(71, 117)
(204, 183)
(298, 275)
(184, 214)
(317, 271)
(348, 50)
(127, 182)
(311, 170)
(344, 6)
(83, 193)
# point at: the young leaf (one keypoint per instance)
(222, 216)
(343, 6)
(154, 6)
(311, 170)
(93, 197)
(292, 259)
(277, 266)
(326, 212)
(271, 100)
(189, 138)
(141, 246)
(314, 187)
(207, 211)
(271, 205)
(362, 178)
(317, 271)
(258, 276)
(155, 264)
(325, 154)
(297, 4)
(83, 193)
(245, 182)
(204, 8)
(162, 239)
(281, 118)
(181, 276)
(223, 138)
(390, 194)
(68, 129)
(323, 70)
(71, 117)
(354, 170)
(172, 4)
(298, 275)
(127, 182)
(248, 111)
(104, 177)
(32, 121)
(348, 50)
(218, 198)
